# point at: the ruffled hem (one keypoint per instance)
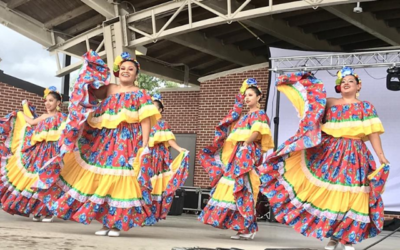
(354, 129)
(68, 208)
(49, 129)
(226, 218)
(111, 121)
(161, 137)
(24, 204)
(164, 185)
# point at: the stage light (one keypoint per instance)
(393, 79)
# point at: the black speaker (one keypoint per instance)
(393, 79)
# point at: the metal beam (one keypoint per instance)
(68, 16)
(211, 46)
(279, 29)
(367, 22)
(66, 70)
(377, 43)
(390, 14)
(352, 39)
(176, 7)
(16, 3)
(379, 6)
(324, 26)
(25, 27)
(310, 18)
(333, 61)
(241, 36)
(102, 6)
(77, 39)
(165, 72)
(83, 26)
(330, 34)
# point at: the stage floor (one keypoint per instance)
(177, 231)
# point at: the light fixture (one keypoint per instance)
(393, 79)
(358, 8)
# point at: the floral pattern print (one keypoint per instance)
(231, 167)
(166, 175)
(98, 177)
(326, 184)
(19, 168)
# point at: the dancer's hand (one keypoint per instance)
(244, 87)
(182, 150)
(382, 159)
(24, 102)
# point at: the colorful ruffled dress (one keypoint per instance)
(100, 176)
(24, 153)
(232, 169)
(323, 181)
(167, 175)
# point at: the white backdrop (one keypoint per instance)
(386, 102)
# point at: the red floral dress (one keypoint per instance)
(167, 174)
(100, 176)
(324, 181)
(232, 169)
(27, 152)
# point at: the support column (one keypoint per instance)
(114, 44)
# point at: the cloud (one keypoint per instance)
(26, 59)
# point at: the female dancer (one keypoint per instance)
(167, 175)
(101, 145)
(231, 162)
(31, 142)
(323, 181)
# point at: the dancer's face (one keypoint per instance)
(251, 98)
(349, 85)
(127, 72)
(51, 103)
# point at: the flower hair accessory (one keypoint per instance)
(125, 56)
(249, 82)
(345, 71)
(157, 97)
(49, 90)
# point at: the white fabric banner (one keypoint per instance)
(386, 102)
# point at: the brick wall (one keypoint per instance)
(217, 97)
(181, 110)
(12, 97)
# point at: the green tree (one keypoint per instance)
(149, 83)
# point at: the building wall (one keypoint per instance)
(181, 110)
(11, 100)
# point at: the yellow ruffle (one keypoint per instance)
(333, 197)
(161, 137)
(354, 129)
(224, 188)
(112, 121)
(160, 182)
(243, 134)
(294, 97)
(19, 129)
(16, 172)
(119, 184)
(51, 135)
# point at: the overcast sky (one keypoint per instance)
(26, 59)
